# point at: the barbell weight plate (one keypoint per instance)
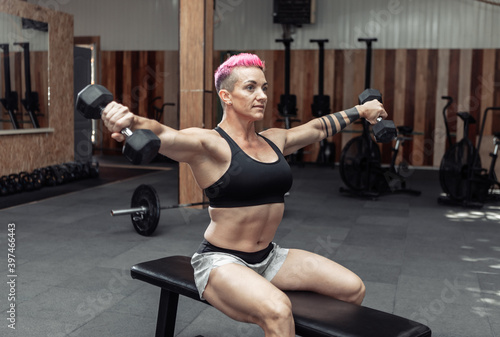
(145, 196)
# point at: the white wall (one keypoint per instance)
(396, 24)
(123, 24)
(247, 24)
(11, 31)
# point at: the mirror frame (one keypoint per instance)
(42, 147)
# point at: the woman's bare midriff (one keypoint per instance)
(247, 229)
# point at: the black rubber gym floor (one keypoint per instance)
(436, 264)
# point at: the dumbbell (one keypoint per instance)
(384, 130)
(141, 146)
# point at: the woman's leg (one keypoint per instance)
(245, 296)
(303, 270)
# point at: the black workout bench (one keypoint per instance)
(315, 315)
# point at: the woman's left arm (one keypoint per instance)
(323, 127)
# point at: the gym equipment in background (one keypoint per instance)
(321, 107)
(158, 110)
(463, 179)
(30, 101)
(145, 209)
(360, 161)
(10, 101)
(287, 106)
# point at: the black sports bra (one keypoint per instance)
(249, 182)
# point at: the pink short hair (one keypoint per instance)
(240, 60)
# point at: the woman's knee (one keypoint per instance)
(357, 291)
(277, 311)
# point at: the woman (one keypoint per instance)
(238, 269)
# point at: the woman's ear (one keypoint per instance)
(225, 97)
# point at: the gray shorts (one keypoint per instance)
(204, 263)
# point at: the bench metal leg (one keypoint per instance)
(167, 313)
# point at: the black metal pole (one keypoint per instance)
(368, 67)
(366, 126)
(30, 101)
(10, 100)
(321, 70)
(287, 105)
(287, 43)
(6, 64)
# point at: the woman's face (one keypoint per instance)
(249, 96)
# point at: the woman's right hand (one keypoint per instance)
(117, 117)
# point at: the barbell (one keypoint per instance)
(145, 209)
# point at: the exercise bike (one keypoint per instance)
(361, 169)
(462, 178)
(360, 160)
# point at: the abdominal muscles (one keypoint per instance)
(247, 229)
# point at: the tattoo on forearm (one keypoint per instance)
(325, 126)
(337, 121)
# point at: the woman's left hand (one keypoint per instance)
(372, 110)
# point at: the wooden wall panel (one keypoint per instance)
(195, 67)
(475, 94)
(136, 78)
(464, 99)
(430, 107)
(496, 92)
(419, 97)
(398, 114)
(453, 84)
(378, 80)
(485, 90)
(439, 134)
(411, 81)
(277, 79)
(338, 93)
(166, 79)
(329, 89)
(306, 81)
(388, 94)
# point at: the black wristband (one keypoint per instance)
(352, 114)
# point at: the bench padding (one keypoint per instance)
(315, 315)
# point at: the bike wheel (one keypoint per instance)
(454, 171)
(359, 165)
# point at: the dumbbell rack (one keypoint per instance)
(48, 176)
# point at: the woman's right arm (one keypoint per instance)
(187, 145)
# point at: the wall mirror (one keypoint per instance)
(24, 70)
